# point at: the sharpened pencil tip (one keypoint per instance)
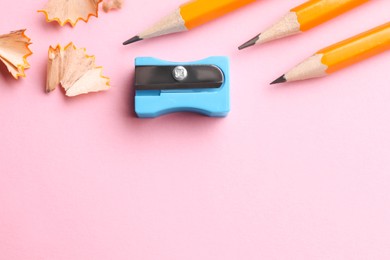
(249, 43)
(134, 39)
(281, 79)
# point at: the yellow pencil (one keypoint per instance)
(189, 16)
(303, 18)
(341, 55)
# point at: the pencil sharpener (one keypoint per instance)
(163, 87)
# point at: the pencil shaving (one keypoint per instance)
(70, 11)
(75, 71)
(14, 51)
(109, 5)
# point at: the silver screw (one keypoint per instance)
(180, 73)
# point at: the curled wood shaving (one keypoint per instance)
(70, 11)
(14, 51)
(75, 71)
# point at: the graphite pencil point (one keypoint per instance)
(250, 43)
(281, 79)
(134, 39)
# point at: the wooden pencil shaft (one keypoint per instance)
(309, 68)
(287, 26)
(171, 23)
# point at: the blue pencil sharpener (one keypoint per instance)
(163, 87)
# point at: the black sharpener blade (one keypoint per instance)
(162, 77)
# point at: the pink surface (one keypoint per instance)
(300, 171)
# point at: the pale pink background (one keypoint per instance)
(300, 171)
